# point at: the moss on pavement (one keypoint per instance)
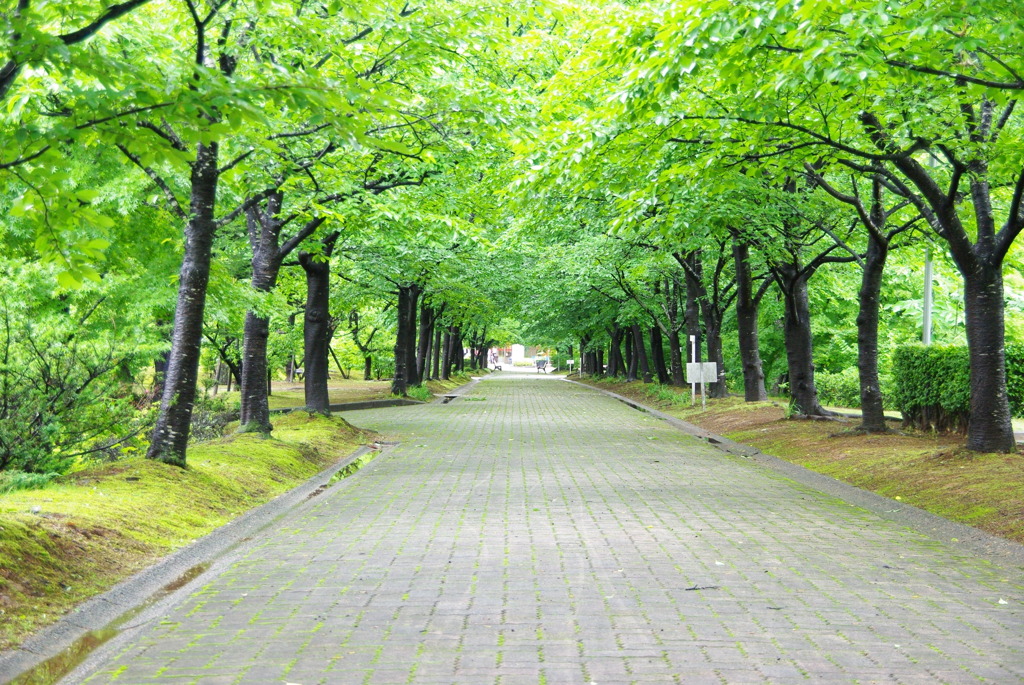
(64, 543)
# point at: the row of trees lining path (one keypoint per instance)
(621, 179)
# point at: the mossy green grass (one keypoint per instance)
(80, 535)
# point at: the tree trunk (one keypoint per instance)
(746, 318)
(615, 365)
(803, 395)
(631, 356)
(255, 415)
(446, 361)
(458, 350)
(426, 344)
(169, 439)
(641, 353)
(403, 342)
(693, 330)
(159, 373)
(315, 331)
(658, 355)
(291, 357)
(368, 368)
(436, 372)
(675, 354)
(715, 354)
(872, 411)
(990, 429)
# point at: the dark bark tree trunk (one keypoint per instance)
(746, 318)
(404, 341)
(266, 264)
(699, 302)
(599, 360)
(264, 227)
(411, 348)
(631, 356)
(641, 354)
(693, 328)
(459, 350)
(715, 354)
(436, 373)
(423, 342)
(368, 368)
(426, 343)
(291, 357)
(675, 358)
(615, 362)
(169, 439)
(446, 362)
(803, 395)
(991, 429)
(159, 373)
(871, 407)
(658, 355)
(316, 324)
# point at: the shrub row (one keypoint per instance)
(933, 388)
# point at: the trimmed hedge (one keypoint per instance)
(933, 386)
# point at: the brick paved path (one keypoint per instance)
(538, 532)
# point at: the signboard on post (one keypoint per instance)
(706, 372)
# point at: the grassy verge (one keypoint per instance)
(930, 471)
(77, 537)
(441, 387)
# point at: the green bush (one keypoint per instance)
(933, 386)
(420, 392)
(210, 416)
(933, 389)
(843, 389)
(21, 480)
(383, 367)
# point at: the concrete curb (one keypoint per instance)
(138, 598)
(956, 535)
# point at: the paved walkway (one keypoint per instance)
(536, 531)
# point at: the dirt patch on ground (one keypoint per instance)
(726, 422)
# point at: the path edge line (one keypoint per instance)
(958, 536)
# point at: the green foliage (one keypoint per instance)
(211, 415)
(10, 481)
(843, 389)
(420, 392)
(934, 380)
(67, 364)
(1015, 378)
(383, 367)
(933, 388)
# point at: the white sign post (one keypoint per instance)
(702, 373)
(568, 363)
(693, 379)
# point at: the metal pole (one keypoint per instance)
(926, 336)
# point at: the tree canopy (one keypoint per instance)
(194, 188)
